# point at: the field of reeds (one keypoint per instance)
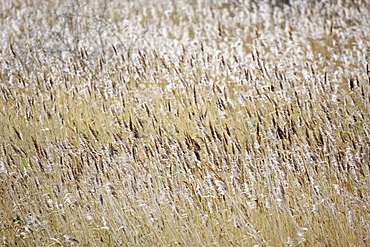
(184, 123)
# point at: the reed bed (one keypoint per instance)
(185, 123)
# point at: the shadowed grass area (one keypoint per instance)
(189, 123)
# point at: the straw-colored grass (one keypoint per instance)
(185, 123)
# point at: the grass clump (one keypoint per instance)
(216, 123)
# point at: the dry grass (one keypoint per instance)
(185, 123)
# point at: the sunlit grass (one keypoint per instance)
(147, 123)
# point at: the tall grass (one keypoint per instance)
(185, 123)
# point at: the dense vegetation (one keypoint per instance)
(184, 123)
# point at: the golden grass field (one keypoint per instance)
(184, 123)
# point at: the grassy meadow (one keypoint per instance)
(184, 123)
